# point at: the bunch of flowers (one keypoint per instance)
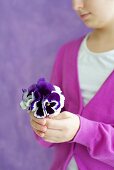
(42, 99)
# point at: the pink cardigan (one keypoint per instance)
(93, 146)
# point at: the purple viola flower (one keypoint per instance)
(38, 110)
(53, 103)
(43, 99)
(45, 88)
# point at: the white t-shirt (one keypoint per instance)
(93, 69)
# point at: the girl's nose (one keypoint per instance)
(77, 4)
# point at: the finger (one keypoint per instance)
(56, 124)
(37, 126)
(39, 133)
(41, 121)
(62, 115)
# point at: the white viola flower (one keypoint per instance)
(26, 100)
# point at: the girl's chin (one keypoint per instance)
(90, 24)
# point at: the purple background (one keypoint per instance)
(31, 32)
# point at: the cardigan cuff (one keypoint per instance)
(86, 133)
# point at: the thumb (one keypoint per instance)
(62, 115)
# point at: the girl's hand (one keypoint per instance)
(61, 128)
(38, 125)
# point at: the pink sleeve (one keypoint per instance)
(42, 142)
(98, 138)
(56, 79)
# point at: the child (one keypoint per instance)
(84, 70)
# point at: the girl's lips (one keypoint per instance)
(84, 16)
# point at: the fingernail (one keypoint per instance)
(42, 134)
(45, 128)
(44, 121)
